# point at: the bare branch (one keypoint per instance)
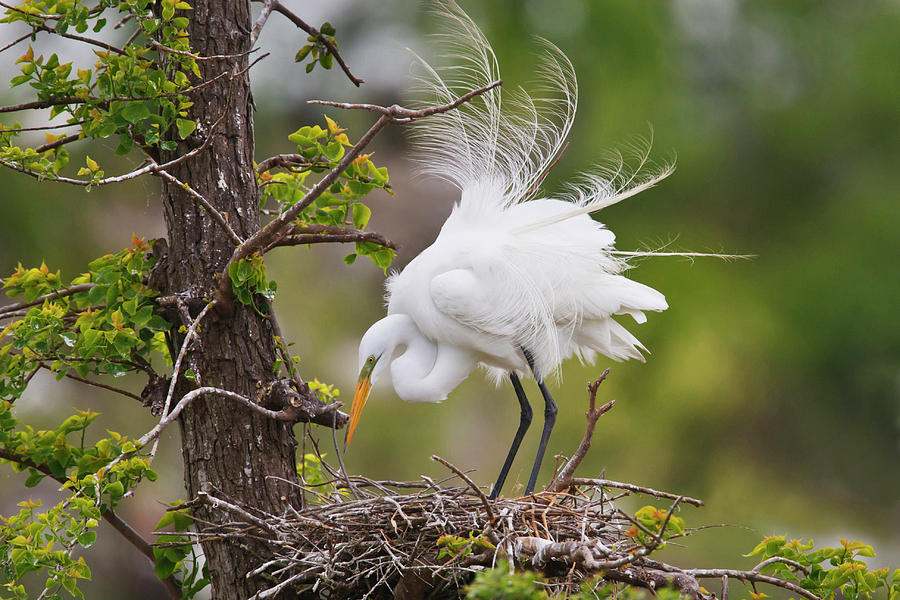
(345, 235)
(165, 48)
(36, 104)
(634, 488)
(206, 204)
(154, 433)
(287, 161)
(751, 576)
(57, 143)
(15, 41)
(176, 369)
(261, 21)
(81, 287)
(81, 38)
(41, 128)
(281, 8)
(400, 114)
(99, 385)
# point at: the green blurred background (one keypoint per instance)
(773, 387)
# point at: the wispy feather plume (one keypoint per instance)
(497, 149)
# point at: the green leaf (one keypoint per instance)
(34, 478)
(135, 111)
(326, 60)
(87, 538)
(185, 127)
(361, 215)
(327, 28)
(163, 567)
(302, 53)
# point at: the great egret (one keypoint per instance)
(514, 282)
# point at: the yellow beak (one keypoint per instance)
(363, 387)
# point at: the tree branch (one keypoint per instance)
(98, 384)
(81, 38)
(261, 21)
(57, 143)
(333, 235)
(206, 204)
(279, 7)
(635, 488)
(278, 228)
(399, 114)
(15, 41)
(51, 296)
(176, 370)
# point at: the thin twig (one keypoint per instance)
(634, 488)
(400, 114)
(562, 481)
(471, 484)
(57, 143)
(176, 370)
(41, 128)
(104, 386)
(281, 8)
(217, 216)
(16, 41)
(81, 287)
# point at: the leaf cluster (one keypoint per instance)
(316, 50)
(454, 546)
(320, 150)
(248, 278)
(34, 540)
(110, 328)
(136, 93)
(650, 520)
(836, 572)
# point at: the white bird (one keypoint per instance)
(513, 283)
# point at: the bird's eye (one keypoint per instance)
(370, 360)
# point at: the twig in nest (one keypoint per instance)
(464, 477)
(564, 479)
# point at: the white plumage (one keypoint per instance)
(510, 274)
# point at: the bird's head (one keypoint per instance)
(372, 362)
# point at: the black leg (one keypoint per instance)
(524, 422)
(550, 411)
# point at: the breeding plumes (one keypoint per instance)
(514, 282)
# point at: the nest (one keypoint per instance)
(359, 538)
(384, 539)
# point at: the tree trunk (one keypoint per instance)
(228, 450)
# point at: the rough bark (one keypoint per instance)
(227, 450)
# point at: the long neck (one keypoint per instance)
(425, 371)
